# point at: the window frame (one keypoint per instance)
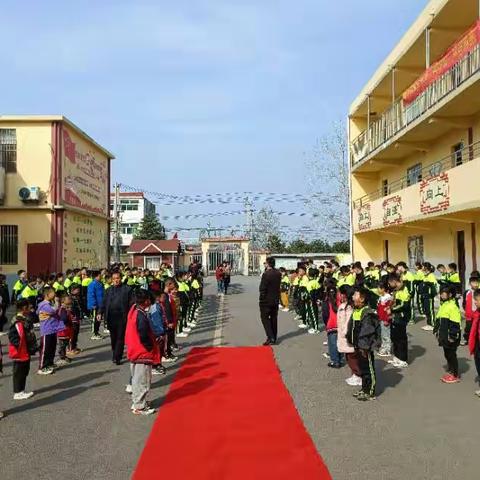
(8, 149)
(6, 257)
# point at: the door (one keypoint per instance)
(39, 258)
(415, 250)
(461, 256)
(385, 250)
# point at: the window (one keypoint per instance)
(384, 188)
(414, 174)
(130, 205)
(415, 250)
(128, 228)
(457, 156)
(8, 244)
(8, 149)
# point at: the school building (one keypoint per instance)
(414, 141)
(54, 196)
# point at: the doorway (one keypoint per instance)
(385, 251)
(461, 256)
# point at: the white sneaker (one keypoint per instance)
(302, 325)
(354, 381)
(96, 337)
(326, 355)
(128, 388)
(45, 371)
(285, 310)
(393, 360)
(477, 393)
(311, 331)
(427, 328)
(383, 353)
(22, 395)
(325, 343)
(143, 411)
(187, 329)
(182, 335)
(193, 324)
(106, 331)
(190, 324)
(400, 364)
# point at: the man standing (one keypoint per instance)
(118, 299)
(269, 300)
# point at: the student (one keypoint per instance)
(195, 289)
(157, 321)
(22, 344)
(400, 315)
(408, 279)
(428, 291)
(4, 301)
(448, 331)
(419, 275)
(303, 296)
(95, 298)
(64, 336)
(31, 293)
(68, 280)
(443, 280)
(86, 281)
(184, 297)
(50, 325)
(75, 296)
(474, 340)
(19, 285)
(384, 312)
(364, 334)
(332, 330)
(142, 352)
(469, 306)
(346, 277)
(58, 285)
(372, 276)
(284, 289)
(344, 313)
(167, 302)
(312, 301)
(453, 278)
(219, 278)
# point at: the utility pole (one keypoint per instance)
(116, 220)
(249, 221)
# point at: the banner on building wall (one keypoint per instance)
(435, 194)
(364, 217)
(84, 241)
(392, 211)
(465, 44)
(85, 176)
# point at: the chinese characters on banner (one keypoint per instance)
(84, 241)
(364, 218)
(85, 175)
(435, 194)
(392, 211)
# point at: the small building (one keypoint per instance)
(152, 253)
(54, 195)
(133, 206)
(290, 261)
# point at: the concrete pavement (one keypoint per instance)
(78, 425)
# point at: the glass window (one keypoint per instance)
(8, 244)
(130, 205)
(414, 174)
(457, 154)
(8, 149)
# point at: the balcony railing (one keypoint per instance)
(399, 115)
(453, 160)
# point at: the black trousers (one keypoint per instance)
(170, 341)
(48, 345)
(468, 328)
(367, 370)
(20, 374)
(398, 335)
(117, 340)
(452, 361)
(269, 316)
(74, 339)
(62, 347)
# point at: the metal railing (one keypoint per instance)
(399, 115)
(455, 159)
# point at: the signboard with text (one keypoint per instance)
(364, 217)
(392, 211)
(435, 194)
(84, 174)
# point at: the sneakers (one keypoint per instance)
(62, 362)
(187, 329)
(326, 355)
(159, 371)
(182, 335)
(325, 343)
(22, 395)
(477, 393)
(106, 331)
(311, 331)
(285, 310)
(128, 388)
(45, 371)
(463, 343)
(96, 337)
(354, 381)
(383, 353)
(170, 359)
(365, 397)
(143, 411)
(428, 328)
(302, 325)
(357, 393)
(400, 364)
(449, 378)
(334, 365)
(393, 361)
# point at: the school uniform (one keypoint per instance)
(448, 332)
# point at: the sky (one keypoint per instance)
(198, 96)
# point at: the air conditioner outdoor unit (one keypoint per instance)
(29, 194)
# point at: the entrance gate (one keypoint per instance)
(225, 252)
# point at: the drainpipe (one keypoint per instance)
(393, 85)
(427, 47)
(368, 123)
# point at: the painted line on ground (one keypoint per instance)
(217, 336)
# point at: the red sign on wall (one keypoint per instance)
(435, 194)
(364, 218)
(392, 211)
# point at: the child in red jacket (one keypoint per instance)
(22, 344)
(469, 306)
(335, 356)
(474, 340)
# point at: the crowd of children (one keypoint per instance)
(367, 311)
(162, 306)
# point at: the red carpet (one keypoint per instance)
(229, 416)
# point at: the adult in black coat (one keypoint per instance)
(117, 302)
(269, 300)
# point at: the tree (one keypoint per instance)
(266, 224)
(150, 228)
(275, 245)
(298, 246)
(328, 183)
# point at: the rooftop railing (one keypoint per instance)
(399, 115)
(455, 159)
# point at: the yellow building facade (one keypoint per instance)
(54, 196)
(414, 140)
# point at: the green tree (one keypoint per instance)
(150, 228)
(298, 246)
(275, 244)
(266, 224)
(341, 247)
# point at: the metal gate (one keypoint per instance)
(225, 252)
